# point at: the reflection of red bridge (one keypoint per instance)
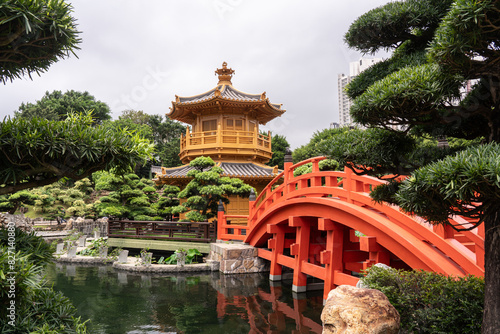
(271, 320)
(324, 225)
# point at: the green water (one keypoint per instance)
(118, 302)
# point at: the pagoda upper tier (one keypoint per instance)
(225, 122)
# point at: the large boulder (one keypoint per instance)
(351, 310)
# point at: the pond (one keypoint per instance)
(118, 302)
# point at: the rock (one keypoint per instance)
(69, 224)
(350, 310)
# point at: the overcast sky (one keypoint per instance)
(140, 54)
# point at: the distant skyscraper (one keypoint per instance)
(355, 68)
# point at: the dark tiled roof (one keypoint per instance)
(231, 169)
(178, 171)
(245, 169)
(227, 92)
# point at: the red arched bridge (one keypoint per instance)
(324, 225)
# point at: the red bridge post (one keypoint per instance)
(221, 220)
(300, 249)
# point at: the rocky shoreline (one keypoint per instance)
(133, 264)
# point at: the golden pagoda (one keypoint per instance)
(225, 126)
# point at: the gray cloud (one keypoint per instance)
(140, 54)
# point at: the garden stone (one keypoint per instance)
(350, 310)
(103, 252)
(81, 241)
(146, 258)
(59, 248)
(122, 257)
(72, 251)
(181, 258)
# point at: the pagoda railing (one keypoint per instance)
(225, 139)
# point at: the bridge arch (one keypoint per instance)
(325, 225)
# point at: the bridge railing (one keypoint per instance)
(285, 185)
(352, 188)
(228, 231)
(316, 183)
(349, 187)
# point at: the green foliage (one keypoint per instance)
(127, 197)
(461, 42)
(166, 136)
(167, 201)
(36, 152)
(37, 250)
(34, 35)
(202, 163)
(417, 93)
(196, 216)
(387, 26)
(430, 302)
(56, 106)
(463, 184)
(400, 59)
(94, 248)
(379, 152)
(206, 189)
(189, 257)
(84, 186)
(324, 165)
(113, 211)
(279, 146)
(315, 147)
(140, 217)
(165, 133)
(38, 309)
(149, 189)
(468, 30)
(13, 202)
(328, 164)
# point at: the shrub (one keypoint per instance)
(143, 218)
(38, 308)
(190, 257)
(94, 248)
(431, 302)
(38, 250)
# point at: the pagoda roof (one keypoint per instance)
(185, 109)
(244, 170)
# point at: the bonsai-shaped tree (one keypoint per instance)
(168, 200)
(11, 203)
(439, 47)
(129, 196)
(206, 189)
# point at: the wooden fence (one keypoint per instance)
(162, 230)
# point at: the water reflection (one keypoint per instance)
(120, 302)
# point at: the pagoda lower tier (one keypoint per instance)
(254, 174)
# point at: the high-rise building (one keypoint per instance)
(355, 68)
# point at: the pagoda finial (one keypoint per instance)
(225, 74)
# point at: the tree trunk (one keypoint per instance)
(13, 210)
(491, 317)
